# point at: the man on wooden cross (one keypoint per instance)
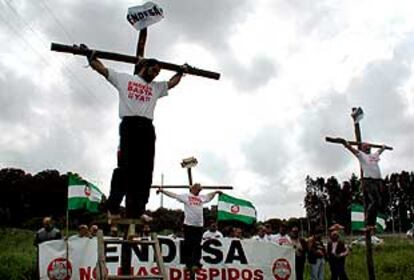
(371, 180)
(138, 95)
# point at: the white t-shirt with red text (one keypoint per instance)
(136, 96)
(369, 165)
(193, 207)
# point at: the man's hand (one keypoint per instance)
(159, 191)
(92, 56)
(184, 68)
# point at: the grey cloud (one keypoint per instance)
(251, 77)
(216, 167)
(266, 152)
(17, 96)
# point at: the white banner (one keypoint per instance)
(222, 259)
(144, 15)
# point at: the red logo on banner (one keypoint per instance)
(281, 269)
(59, 269)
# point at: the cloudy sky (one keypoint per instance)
(291, 72)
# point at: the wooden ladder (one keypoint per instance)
(101, 271)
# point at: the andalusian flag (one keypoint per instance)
(358, 218)
(231, 208)
(83, 195)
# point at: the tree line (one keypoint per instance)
(328, 202)
(26, 198)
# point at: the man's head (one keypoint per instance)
(237, 232)
(83, 230)
(146, 230)
(366, 148)
(334, 235)
(148, 69)
(93, 230)
(47, 223)
(294, 232)
(213, 226)
(283, 229)
(261, 231)
(195, 189)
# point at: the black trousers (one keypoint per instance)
(133, 176)
(372, 199)
(192, 245)
(300, 266)
(337, 266)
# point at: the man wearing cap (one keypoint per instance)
(138, 95)
(336, 254)
(371, 180)
(193, 222)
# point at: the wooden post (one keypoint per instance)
(368, 242)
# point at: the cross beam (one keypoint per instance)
(186, 187)
(76, 50)
(355, 143)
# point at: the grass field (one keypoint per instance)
(393, 261)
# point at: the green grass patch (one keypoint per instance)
(17, 254)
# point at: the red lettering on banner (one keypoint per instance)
(224, 274)
(142, 271)
(154, 270)
(85, 274)
(234, 273)
(258, 274)
(246, 274)
(213, 273)
(175, 274)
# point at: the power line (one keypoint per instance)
(71, 75)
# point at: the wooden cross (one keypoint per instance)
(356, 115)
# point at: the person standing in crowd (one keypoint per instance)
(316, 254)
(268, 231)
(47, 232)
(138, 95)
(212, 232)
(300, 246)
(282, 238)
(337, 252)
(260, 234)
(193, 222)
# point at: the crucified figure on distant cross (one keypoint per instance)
(371, 179)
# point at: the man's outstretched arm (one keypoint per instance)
(95, 64)
(177, 77)
(349, 147)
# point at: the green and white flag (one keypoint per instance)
(83, 195)
(358, 218)
(231, 208)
